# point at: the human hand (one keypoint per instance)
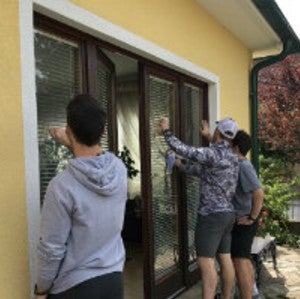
(244, 220)
(178, 162)
(163, 124)
(205, 130)
(60, 136)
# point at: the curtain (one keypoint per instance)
(128, 127)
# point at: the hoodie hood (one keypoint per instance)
(100, 174)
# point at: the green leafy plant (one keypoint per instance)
(278, 181)
(126, 157)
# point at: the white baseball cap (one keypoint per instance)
(228, 127)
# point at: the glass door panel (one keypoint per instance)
(163, 271)
(193, 115)
(58, 79)
(164, 197)
(105, 85)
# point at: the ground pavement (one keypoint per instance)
(283, 283)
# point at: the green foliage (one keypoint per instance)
(279, 183)
(125, 156)
(56, 153)
(53, 160)
(279, 129)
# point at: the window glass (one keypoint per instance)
(294, 210)
(57, 81)
(193, 106)
(164, 195)
(104, 94)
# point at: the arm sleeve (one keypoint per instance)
(200, 154)
(257, 202)
(248, 178)
(55, 230)
(190, 169)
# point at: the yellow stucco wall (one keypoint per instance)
(169, 24)
(172, 25)
(14, 273)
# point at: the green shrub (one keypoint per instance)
(279, 183)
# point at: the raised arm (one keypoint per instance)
(188, 168)
(199, 154)
(59, 135)
(205, 130)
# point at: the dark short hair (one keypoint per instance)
(243, 141)
(86, 118)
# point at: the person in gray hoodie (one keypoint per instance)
(81, 253)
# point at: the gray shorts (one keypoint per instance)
(213, 234)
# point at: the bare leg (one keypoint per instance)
(209, 276)
(227, 274)
(245, 277)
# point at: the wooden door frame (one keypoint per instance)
(190, 277)
(87, 42)
(151, 288)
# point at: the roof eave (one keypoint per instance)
(276, 19)
(244, 20)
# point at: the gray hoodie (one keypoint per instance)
(82, 219)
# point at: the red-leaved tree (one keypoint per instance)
(279, 106)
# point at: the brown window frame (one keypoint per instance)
(88, 49)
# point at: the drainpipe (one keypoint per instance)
(291, 44)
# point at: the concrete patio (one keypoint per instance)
(283, 283)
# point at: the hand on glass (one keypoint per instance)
(163, 125)
(60, 136)
(178, 162)
(205, 130)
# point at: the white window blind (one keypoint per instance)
(294, 210)
(57, 81)
(193, 110)
(104, 94)
(164, 197)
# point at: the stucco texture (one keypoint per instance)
(14, 273)
(180, 26)
(184, 28)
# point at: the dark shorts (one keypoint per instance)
(213, 234)
(108, 286)
(242, 238)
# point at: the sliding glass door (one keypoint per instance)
(171, 199)
(163, 274)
